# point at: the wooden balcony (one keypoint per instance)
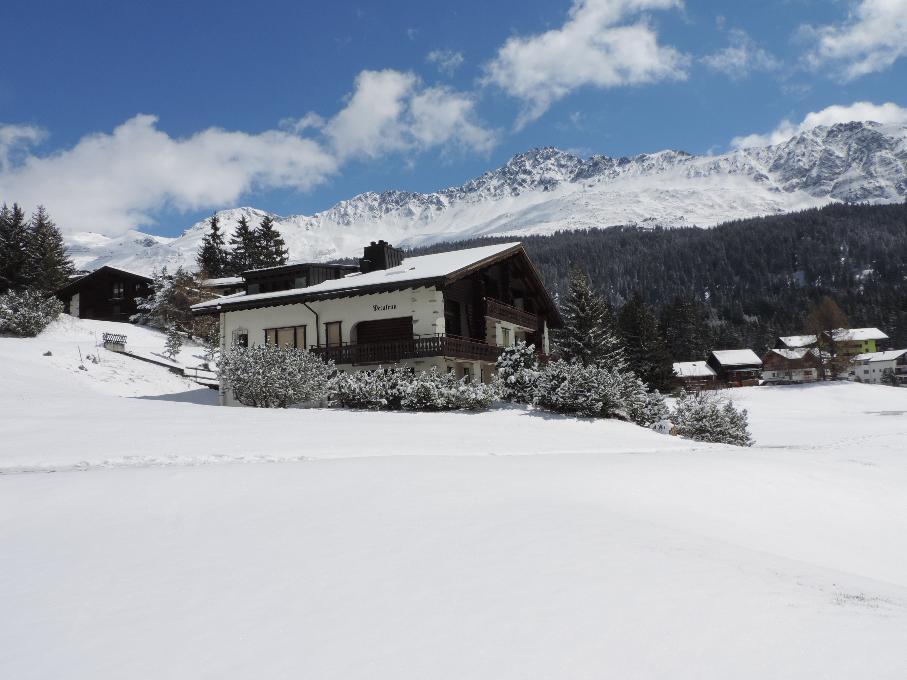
(504, 312)
(391, 352)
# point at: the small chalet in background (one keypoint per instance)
(872, 367)
(225, 285)
(791, 365)
(736, 367)
(107, 294)
(796, 342)
(694, 375)
(853, 341)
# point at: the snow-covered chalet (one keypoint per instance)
(454, 311)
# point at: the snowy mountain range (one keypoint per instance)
(546, 190)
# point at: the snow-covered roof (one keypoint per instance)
(693, 369)
(223, 281)
(412, 269)
(872, 357)
(792, 353)
(737, 357)
(857, 334)
(795, 341)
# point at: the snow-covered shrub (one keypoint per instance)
(704, 417)
(517, 372)
(436, 391)
(26, 313)
(275, 377)
(569, 387)
(636, 402)
(381, 389)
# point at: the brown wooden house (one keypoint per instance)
(107, 294)
(785, 366)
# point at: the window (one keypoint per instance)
(288, 336)
(332, 334)
(467, 373)
(505, 337)
(119, 289)
(301, 282)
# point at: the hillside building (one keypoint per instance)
(783, 366)
(736, 367)
(454, 311)
(107, 294)
(694, 375)
(872, 367)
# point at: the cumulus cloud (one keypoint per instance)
(741, 57)
(114, 181)
(888, 113)
(447, 61)
(597, 46)
(871, 39)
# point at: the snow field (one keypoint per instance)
(507, 544)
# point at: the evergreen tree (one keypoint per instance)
(212, 257)
(685, 331)
(588, 335)
(14, 245)
(244, 248)
(174, 342)
(49, 266)
(272, 250)
(646, 353)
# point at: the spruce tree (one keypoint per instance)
(244, 248)
(49, 267)
(645, 348)
(14, 243)
(588, 335)
(212, 257)
(684, 329)
(271, 247)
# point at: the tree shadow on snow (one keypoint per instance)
(203, 396)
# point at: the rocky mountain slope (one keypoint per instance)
(545, 190)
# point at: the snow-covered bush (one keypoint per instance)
(637, 403)
(381, 389)
(571, 387)
(26, 313)
(517, 372)
(436, 391)
(275, 377)
(705, 417)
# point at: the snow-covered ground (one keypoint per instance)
(509, 544)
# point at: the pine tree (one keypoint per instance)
(647, 355)
(271, 247)
(14, 243)
(244, 248)
(174, 342)
(685, 332)
(212, 257)
(49, 267)
(588, 336)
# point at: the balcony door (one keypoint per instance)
(384, 330)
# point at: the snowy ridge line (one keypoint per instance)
(138, 462)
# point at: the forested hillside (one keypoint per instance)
(743, 282)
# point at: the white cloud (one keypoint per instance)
(112, 182)
(871, 39)
(390, 111)
(447, 61)
(594, 47)
(887, 113)
(741, 57)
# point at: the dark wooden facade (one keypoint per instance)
(788, 362)
(107, 294)
(289, 276)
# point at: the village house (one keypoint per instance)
(454, 311)
(853, 341)
(872, 367)
(795, 342)
(107, 294)
(790, 366)
(694, 375)
(736, 367)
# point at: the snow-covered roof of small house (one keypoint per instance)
(857, 334)
(796, 341)
(423, 270)
(737, 357)
(872, 357)
(793, 354)
(693, 369)
(223, 281)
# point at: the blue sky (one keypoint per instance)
(292, 106)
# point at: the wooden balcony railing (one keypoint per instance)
(415, 348)
(498, 310)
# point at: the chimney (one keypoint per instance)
(380, 255)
